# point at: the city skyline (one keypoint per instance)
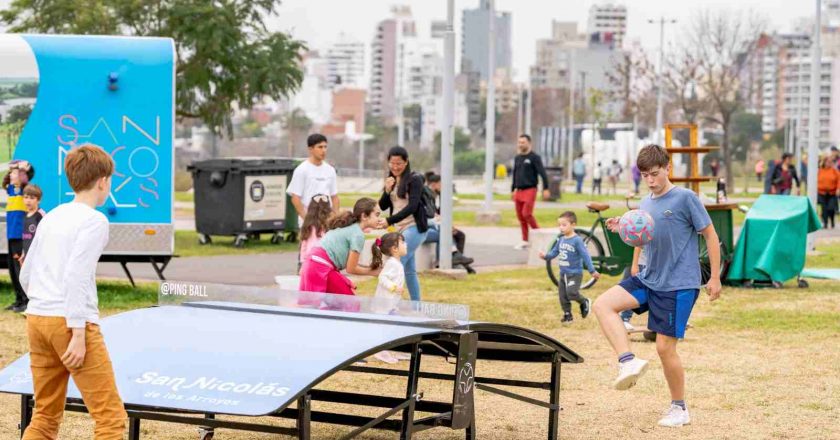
(530, 20)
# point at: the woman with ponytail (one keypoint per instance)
(340, 249)
(401, 196)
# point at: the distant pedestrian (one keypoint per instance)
(637, 178)
(597, 178)
(527, 170)
(579, 172)
(828, 190)
(784, 175)
(714, 166)
(759, 169)
(614, 173)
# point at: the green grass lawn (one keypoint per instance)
(184, 197)
(186, 245)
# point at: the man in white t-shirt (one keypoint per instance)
(312, 177)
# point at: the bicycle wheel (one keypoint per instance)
(706, 264)
(596, 250)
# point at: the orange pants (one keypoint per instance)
(48, 341)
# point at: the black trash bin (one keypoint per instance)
(243, 198)
(555, 182)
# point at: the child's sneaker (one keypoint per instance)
(629, 372)
(585, 306)
(675, 417)
(567, 318)
(521, 246)
(629, 327)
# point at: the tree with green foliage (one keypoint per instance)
(18, 113)
(461, 143)
(225, 53)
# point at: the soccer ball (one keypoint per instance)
(636, 228)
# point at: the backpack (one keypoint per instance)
(427, 202)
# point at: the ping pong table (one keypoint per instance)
(200, 361)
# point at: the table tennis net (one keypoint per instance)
(280, 301)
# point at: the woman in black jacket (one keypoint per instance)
(401, 197)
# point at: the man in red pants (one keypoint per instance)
(527, 169)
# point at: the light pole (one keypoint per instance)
(490, 123)
(446, 139)
(661, 21)
(814, 114)
(570, 132)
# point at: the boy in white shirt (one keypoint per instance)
(312, 177)
(63, 315)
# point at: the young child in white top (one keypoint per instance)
(391, 247)
(391, 284)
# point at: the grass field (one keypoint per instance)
(186, 245)
(761, 364)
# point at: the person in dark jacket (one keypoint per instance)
(527, 169)
(401, 197)
(783, 176)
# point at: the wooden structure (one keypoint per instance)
(720, 213)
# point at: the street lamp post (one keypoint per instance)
(814, 114)
(447, 139)
(490, 122)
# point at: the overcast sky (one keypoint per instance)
(319, 22)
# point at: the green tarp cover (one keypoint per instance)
(772, 242)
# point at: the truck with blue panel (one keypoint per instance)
(115, 92)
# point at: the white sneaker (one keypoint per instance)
(629, 327)
(629, 372)
(521, 246)
(675, 417)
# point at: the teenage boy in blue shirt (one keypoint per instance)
(668, 286)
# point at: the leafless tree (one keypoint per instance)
(721, 42)
(630, 79)
(681, 77)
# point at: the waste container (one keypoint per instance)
(555, 182)
(243, 197)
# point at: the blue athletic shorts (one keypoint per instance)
(668, 312)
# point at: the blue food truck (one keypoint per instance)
(60, 92)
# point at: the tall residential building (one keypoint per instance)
(345, 62)
(591, 58)
(551, 68)
(387, 61)
(774, 61)
(475, 29)
(610, 20)
(796, 90)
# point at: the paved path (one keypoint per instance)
(260, 269)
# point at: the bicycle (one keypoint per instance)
(620, 254)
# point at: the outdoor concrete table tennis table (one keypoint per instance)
(191, 363)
